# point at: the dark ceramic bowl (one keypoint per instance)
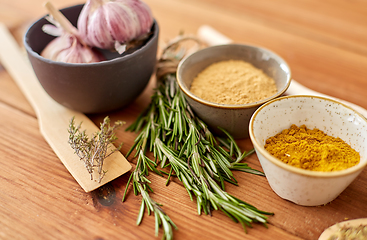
(233, 118)
(93, 87)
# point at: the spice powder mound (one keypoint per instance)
(311, 150)
(233, 82)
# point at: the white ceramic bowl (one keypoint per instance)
(304, 187)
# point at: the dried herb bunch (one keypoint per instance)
(95, 149)
(183, 144)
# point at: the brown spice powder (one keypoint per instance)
(233, 82)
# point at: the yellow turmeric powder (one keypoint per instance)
(312, 150)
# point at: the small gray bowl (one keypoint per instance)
(233, 118)
(92, 87)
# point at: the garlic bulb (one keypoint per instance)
(67, 46)
(109, 24)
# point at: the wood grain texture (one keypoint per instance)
(339, 22)
(324, 44)
(33, 197)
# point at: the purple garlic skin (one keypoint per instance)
(109, 23)
(67, 48)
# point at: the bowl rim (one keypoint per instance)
(102, 63)
(232, 106)
(299, 171)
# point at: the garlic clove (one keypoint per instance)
(55, 47)
(67, 48)
(110, 24)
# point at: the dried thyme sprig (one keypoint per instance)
(182, 142)
(94, 150)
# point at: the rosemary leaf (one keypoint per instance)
(141, 212)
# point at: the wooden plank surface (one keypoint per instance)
(324, 43)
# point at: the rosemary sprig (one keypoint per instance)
(140, 184)
(139, 179)
(94, 150)
(209, 195)
(182, 142)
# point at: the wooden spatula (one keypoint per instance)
(54, 118)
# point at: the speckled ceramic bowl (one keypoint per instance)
(233, 118)
(304, 187)
(93, 87)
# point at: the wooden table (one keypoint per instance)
(325, 44)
